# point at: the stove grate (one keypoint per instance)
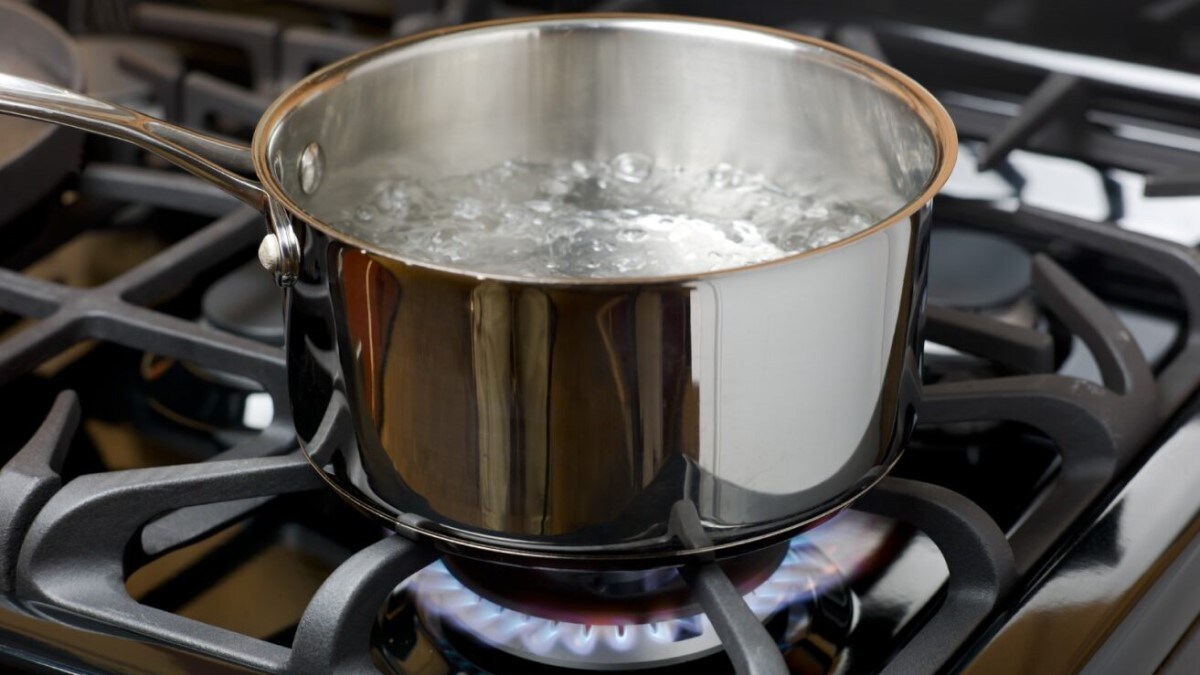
(66, 549)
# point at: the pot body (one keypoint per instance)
(581, 419)
(568, 422)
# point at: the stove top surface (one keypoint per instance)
(155, 515)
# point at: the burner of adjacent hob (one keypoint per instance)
(200, 406)
(534, 622)
(979, 272)
(246, 302)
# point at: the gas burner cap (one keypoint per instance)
(976, 270)
(787, 601)
(245, 302)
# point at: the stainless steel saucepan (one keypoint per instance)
(564, 420)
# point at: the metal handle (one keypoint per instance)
(214, 160)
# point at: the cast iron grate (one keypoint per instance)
(66, 549)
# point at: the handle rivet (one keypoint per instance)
(268, 253)
(312, 168)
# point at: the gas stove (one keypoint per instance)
(156, 516)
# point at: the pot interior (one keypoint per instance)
(683, 92)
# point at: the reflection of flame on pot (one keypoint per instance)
(784, 599)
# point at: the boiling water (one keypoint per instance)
(586, 218)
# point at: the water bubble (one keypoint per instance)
(725, 175)
(511, 213)
(745, 232)
(383, 201)
(823, 238)
(582, 169)
(631, 167)
(364, 214)
(468, 208)
(507, 169)
(816, 211)
(654, 222)
(791, 213)
(720, 174)
(555, 187)
(626, 265)
(632, 235)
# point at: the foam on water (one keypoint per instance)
(586, 218)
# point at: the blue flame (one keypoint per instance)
(443, 597)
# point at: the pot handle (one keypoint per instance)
(217, 161)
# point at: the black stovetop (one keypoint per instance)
(156, 517)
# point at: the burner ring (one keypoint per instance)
(803, 600)
(608, 597)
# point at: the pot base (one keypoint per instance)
(639, 555)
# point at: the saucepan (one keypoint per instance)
(564, 420)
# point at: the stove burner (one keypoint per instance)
(610, 597)
(474, 627)
(245, 302)
(203, 408)
(976, 270)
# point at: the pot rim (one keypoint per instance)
(919, 99)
